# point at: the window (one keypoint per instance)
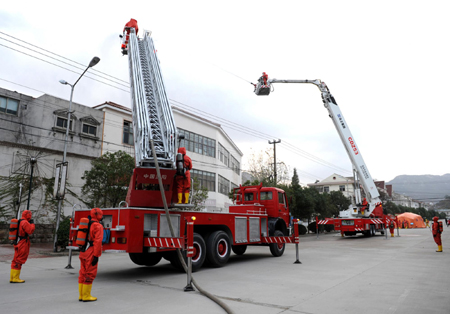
(224, 155)
(319, 188)
(206, 179)
(8, 105)
(281, 198)
(248, 197)
(326, 189)
(89, 129)
(61, 122)
(224, 185)
(342, 188)
(266, 196)
(198, 143)
(128, 133)
(235, 165)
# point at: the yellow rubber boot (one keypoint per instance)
(186, 198)
(439, 248)
(87, 294)
(180, 198)
(80, 290)
(392, 235)
(15, 273)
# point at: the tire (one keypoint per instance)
(145, 259)
(218, 248)
(277, 249)
(239, 249)
(197, 260)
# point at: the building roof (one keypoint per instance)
(112, 105)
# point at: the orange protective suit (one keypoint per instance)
(265, 78)
(22, 248)
(437, 233)
(88, 272)
(184, 182)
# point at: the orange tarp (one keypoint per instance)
(412, 220)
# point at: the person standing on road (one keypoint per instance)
(89, 257)
(22, 248)
(437, 230)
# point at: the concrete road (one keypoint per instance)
(337, 275)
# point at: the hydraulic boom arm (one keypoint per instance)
(359, 167)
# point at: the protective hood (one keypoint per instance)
(182, 150)
(435, 219)
(26, 215)
(96, 214)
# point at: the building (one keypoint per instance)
(36, 128)
(336, 182)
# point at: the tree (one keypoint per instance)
(338, 202)
(262, 169)
(199, 195)
(107, 182)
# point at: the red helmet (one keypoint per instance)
(96, 213)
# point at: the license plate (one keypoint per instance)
(348, 222)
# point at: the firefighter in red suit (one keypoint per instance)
(391, 228)
(437, 233)
(131, 24)
(89, 258)
(22, 248)
(184, 181)
(265, 78)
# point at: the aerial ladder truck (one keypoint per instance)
(365, 214)
(151, 225)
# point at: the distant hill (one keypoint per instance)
(428, 188)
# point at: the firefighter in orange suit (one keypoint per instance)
(22, 248)
(131, 24)
(437, 233)
(265, 78)
(184, 181)
(391, 228)
(89, 258)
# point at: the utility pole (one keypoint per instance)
(274, 142)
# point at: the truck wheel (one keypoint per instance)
(239, 249)
(197, 260)
(218, 248)
(277, 249)
(145, 259)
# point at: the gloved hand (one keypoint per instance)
(31, 221)
(94, 261)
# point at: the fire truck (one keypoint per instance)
(151, 225)
(365, 214)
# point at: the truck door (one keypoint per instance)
(282, 207)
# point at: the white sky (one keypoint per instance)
(385, 62)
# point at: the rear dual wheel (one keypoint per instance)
(218, 248)
(197, 260)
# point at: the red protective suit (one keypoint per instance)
(22, 248)
(436, 231)
(265, 77)
(88, 272)
(131, 24)
(184, 182)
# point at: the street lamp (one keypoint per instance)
(93, 62)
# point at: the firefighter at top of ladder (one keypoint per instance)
(131, 24)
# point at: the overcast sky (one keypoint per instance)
(385, 62)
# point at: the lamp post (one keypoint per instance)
(93, 62)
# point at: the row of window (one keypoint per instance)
(326, 189)
(208, 180)
(198, 143)
(86, 128)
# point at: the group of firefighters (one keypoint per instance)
(90, 254)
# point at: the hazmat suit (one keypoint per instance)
(391, 228)
(437, 233)
(22, 248)
(89, 258)
(131, 24)
(184, 181)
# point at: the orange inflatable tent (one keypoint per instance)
(412, 220)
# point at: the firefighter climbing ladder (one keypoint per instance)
(152, 116)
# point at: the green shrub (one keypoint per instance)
(63, 233)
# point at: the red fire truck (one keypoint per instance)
(152, 226)
(365, 214)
